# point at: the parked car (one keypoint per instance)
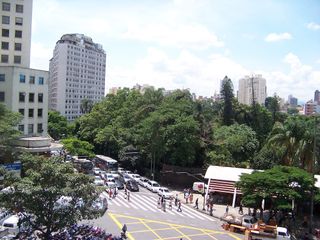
(98, 181)
(143, 181)
(153, 186)
(132, 186)
(11, 224)
(119, 183)
(115, 174)
(163, 191)
(96, 171)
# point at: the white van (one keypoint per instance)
(11, 224)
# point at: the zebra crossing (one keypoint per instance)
(149, 204)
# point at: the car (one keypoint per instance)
(96, 171)
(115, 174)
(153, 186)
(132, 186)
(163, 191)
(119, 183)
(109, 177)
(120, 170)
(127, 172)
(143, 181)
(111, 185)
(125, 178)
(98, 181)
(11, 224)
(136, 177)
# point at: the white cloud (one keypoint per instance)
(313, 26)
(182, 36)
(40, 56)
(275, 37)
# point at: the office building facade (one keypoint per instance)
(76, 73)
(252, 89)
(22, 89)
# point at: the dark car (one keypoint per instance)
(132, 186)
(119, 183)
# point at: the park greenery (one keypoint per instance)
(50, 196)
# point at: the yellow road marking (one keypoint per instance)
(175, 227)
(119, 225)
(147, 226)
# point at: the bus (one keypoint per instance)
(83, 165)
(106, 163)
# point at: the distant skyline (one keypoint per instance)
(191, 43)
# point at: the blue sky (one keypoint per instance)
(191, 43)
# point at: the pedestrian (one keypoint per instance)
(179, 206)
(191, 198)
(197, 203)
(128, 196)
(176, 200)
(110, 193)
(240, 209)
(159, 202)
(170, 204)
(164, 205)
(187, 197)
(125, 193)
(227, 209)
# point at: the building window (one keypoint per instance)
(22, 96)
(19, 21)
(4, 58)
(17, 59)
(1, 96)
(21, 128)
(19, 8)
(17, 46)
(22, 78)
(5, 45)
(40, 97)
(40, 112)
(5, 20)
(2, 77)
(5, 32)
(30, 128)
(31, 97)
(40, 129)
(31, 79)
(5, 6)
(18, 34)
(21, 111)
(41, 81)
(30, 113)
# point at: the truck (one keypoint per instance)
(254, 229)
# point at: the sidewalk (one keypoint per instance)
(218, 210)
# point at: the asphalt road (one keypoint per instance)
(145, 221)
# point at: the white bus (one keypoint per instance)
(106, 163)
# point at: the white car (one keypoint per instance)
(135, 177)
(163, 191)
(115, 174)
(143, 182)
(109, 177)
(153, 186)
(96, 171)
(98, 181)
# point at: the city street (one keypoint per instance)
(145, 220)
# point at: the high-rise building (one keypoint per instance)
(16, 17)
(252, 89)
(22, 89)
(311, 108)
(317, 96)
(292, 101)
(76, 73)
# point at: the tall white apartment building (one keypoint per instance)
(252, 89)
(76, 72)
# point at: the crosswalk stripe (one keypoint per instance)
(201, 214)
(151, 208)
(135, 202)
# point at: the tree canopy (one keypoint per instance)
(39, 196)
(77, 147)
(57, 125)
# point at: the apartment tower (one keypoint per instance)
(22, 89)
(252, 89)
(76, 74)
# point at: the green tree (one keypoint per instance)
(57, 125)
(47, 181)
(272, 104)
(227, 94)
(236, 144)
(77, 147)
(8, 122)
(278, 186)
(86, 105)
